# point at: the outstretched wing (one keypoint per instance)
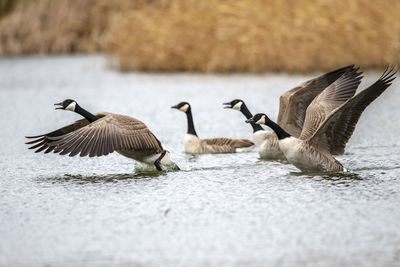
(334, 133)
(293, 103)
(332, 97)
(41, 142)
(106, 135)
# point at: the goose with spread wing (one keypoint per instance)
(194, 145)
(103, 133)
(330, 122)
(292, 112)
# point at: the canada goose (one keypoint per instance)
(194, 145)
(292, 110)
(327, 127)
(101, 134)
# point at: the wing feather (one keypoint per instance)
(86, 148)
(92, 148)
(293, 103)
(105, 135)
(77, 148)
(329, 99)
(49, 149)
(334, 133)
(47, 138)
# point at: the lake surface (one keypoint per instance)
(219, 210)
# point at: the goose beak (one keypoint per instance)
(176, 106)
(227, 105)
(59, 104)
(250, 120)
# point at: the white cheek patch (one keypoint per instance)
(71, 106)
(237, 106)
(261, 121)
(184, 108)
(166, 159)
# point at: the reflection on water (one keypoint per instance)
(334, 176)
(231, 209)
(106, 178)
(377, 168)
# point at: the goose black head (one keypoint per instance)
(67, 104)
(183, 106)
(259, 118)
(234, 104)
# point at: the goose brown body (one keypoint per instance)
(292, 112)
(268, 147)
(330, 122)
(110, 132)
(194, 145)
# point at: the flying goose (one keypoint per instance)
(327, 127)
(292, 109)
(194, 145)
(101, 134)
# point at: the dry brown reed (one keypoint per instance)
(257, 35)
(54, 26)
(6, 6)
(210, 35)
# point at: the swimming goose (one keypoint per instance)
(101, 134)
(327, 127)
(293, 104)
(194, 145)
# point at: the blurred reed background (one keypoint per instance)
(208, 35)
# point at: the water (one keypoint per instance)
(219, 210)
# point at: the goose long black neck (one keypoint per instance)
(89, 116)
(282, 134)
(246, 112)
(191, 129)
